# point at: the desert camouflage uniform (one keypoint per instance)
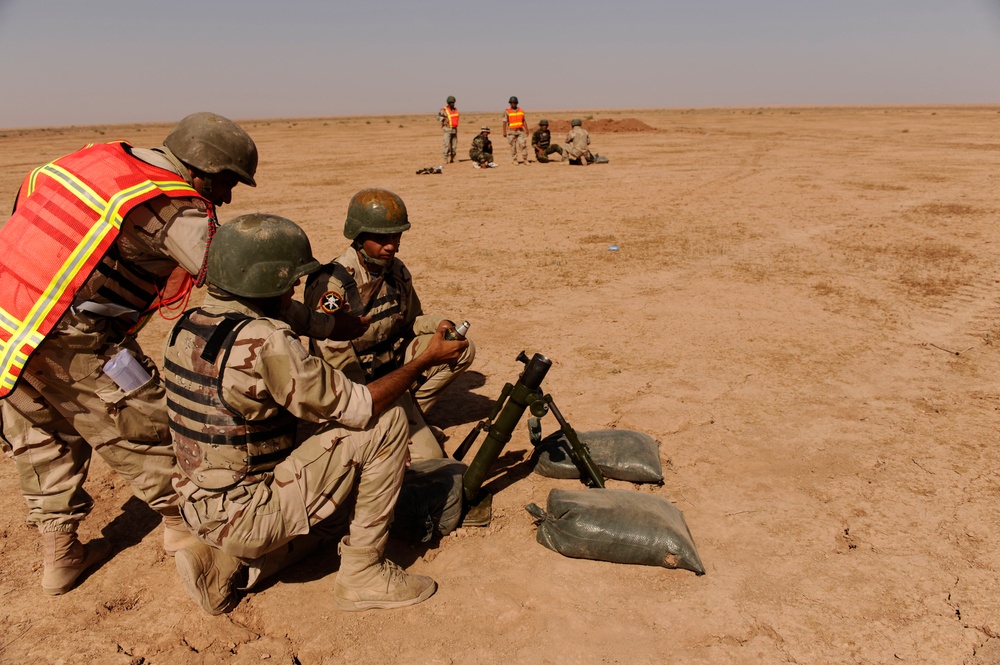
(64, 405)
(577, 144)
(541, 142)
(449, 137)
(517, 138)
(308, 457)
(399, 331)
(481, 151)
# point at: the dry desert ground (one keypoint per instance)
(802, 310)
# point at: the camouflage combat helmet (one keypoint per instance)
(259, 256)
(213, 144)
(512, 100)
(450, 100)
(377, 211)
(543, 122)
(576, 122)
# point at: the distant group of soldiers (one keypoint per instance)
(276, 427)
(575, 151)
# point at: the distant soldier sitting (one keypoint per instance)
(481, 151)
(541, 142)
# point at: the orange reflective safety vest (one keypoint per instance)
(68, 214)
(515, 118)
(452, 117)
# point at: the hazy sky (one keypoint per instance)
(74, 62)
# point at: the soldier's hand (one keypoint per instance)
(348, 326)
(444, 351)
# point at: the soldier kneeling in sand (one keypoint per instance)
(273, 443)
(578, 144)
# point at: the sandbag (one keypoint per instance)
(621, 526)
(430, 501)
(621, 454)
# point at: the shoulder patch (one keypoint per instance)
(331, 302)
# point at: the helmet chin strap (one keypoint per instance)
(379, 264)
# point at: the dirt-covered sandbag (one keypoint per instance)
(621, 454)
(430, 501)
(621, 526)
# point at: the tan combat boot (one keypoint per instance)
(368, 581)
(176, 535)
(65, 558)
(208, 575)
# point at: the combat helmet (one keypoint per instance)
(259, 256)
(377, 211)
(576, 122)
(543, 122)
(213, 144)
(512, 100)
(450, 100)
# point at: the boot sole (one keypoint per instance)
(362, 605)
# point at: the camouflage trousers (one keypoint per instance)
(450, 144)
(542, 154)
(518, 140)
(423, 443)
(334, 474)
(63, 408)
(480, 157)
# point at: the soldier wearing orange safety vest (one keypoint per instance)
(98, 240)
(448, 116)
(515, 130)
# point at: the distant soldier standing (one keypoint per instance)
(578, 144)
(448, 116)
(515, 131)
(481, 151)
(541, 141)
(137, 220)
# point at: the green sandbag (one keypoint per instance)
(621, 454)
(620, 526)
(430, 500)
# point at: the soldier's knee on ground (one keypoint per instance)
(210, 577)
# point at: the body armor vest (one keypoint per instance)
(380, 350)
(216, 447)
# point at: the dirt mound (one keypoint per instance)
(602, 126)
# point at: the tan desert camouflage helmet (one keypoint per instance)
(377, 211)
(259, 256)
(213, 144)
